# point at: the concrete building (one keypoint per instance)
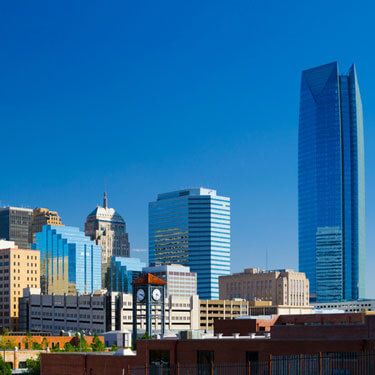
(107, 228)
(15, 225)
(192, 227)
(180, 280)
(214, 310)
(362, 305)
(19, 268)
(121, 273)
(40, 217)
(70, 261)
(281, 287)
(99, 313)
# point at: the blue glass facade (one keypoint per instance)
(121, 273)
(70, 261)
(192, 227)
(331, 193)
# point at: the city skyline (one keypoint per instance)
(159, 97)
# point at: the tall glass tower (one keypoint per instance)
(192, 227)
(331, 191)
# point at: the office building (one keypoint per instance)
(180, 280)
(99, 313)
(70, 261)
(358, 306)
(192, 227)
(19, 268)
(281, 287)
(331, 191)
(15, 225)
(121, 273)
(40, 217)
(213, 310)
(107, 228)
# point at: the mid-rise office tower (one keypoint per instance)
(19, 268)
(15, 225)
(192, 227)
(107, 228)
(331, 191)
(69, 261)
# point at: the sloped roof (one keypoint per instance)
(106, 214)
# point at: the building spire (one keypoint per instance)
(105, 200)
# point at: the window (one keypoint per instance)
(205, 361)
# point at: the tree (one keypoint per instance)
(4, 368)
(6, 343)
(33, 366)
(96, 344)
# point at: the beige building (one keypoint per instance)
(19, 268)
(107, 228)
(40, 217)
(281, 287)
(210, 310)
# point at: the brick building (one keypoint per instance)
(348, 337)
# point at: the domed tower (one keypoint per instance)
(108, 229)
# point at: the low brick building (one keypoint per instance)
(349, 337)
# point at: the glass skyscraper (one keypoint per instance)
(192, 227)
(70, 261)
(331, 191)
(121, 273)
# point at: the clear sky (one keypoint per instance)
(151, 96)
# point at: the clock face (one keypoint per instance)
(140, 295)
(156, 294)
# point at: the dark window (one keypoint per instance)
(159, 362)
(252, 359)
(205, 361)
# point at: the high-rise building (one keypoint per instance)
(40, 217)
(70, 261)
(281, 287)
(192, 227)
(107, 228)
(15, 225)
(19, 268)
(121, 273)
(181, 282)
(331, 191)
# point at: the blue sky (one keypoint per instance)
(146, 97)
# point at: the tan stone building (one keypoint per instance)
(281, 287)
(107, 228)
(19, 268)
(40, 217)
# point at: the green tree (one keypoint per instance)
(4, 368)
(36, 346)
(97, 345)
(6, 343)
(33, 366)
(68, 347)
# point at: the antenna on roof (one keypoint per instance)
(105, 200)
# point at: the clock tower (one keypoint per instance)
(149, 304)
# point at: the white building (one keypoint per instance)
(180, 281)
(99, 313)
(347, 306)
